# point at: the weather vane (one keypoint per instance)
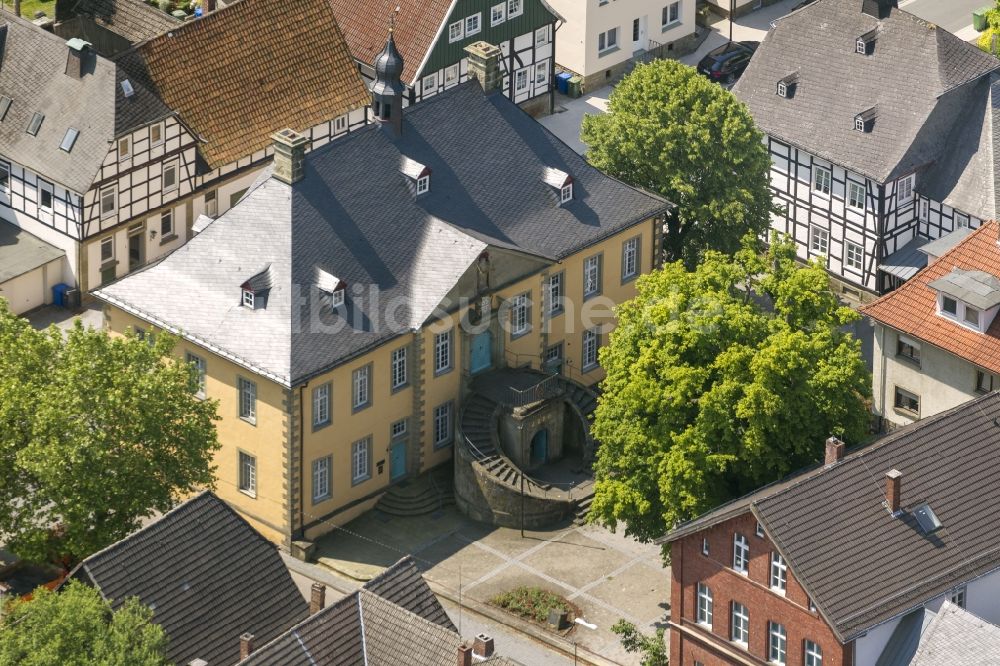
(392, 19)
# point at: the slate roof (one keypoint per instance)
(354, 216)
(33, 74)
(912, 308)
(208, 576)
(132, 19)
(859, 564)
(905, 262)
(21, 252)
(914, 76)
(956, 637)
(249, 69)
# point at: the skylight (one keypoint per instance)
(35, 124)
(926, 518)
(127, 88)
(5, 103)
(69, 139)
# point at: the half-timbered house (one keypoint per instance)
(111, 26)
(432, 35)
(879, 125)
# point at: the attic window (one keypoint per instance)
(926, 518)
(782, 89)
(561, 182)
(865, 44)
(337, 297)
(417, 174)
(127, 88)
(332, 286)
(248, 298)
(566, 193)
(786, 85)
(969, 298)
(5, 103)
(865, 121)
(69, 139)
(256, 288)
(35, 124)
(859, 124)
(861, 47)
(423, 184)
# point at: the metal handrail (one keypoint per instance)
(543, 390)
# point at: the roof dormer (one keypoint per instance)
(332, 287)
(787, 85)
(418, 175)
(865, 121)
(865, 44)
(969, 298)
(255, 290)
(560, 182)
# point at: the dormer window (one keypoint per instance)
(127, 88)
(861, 47)
(786, 85)
(337, 298)
(255, 289)
(248, 298)
(332, 286)
(423, 184)
(566, 193)
(782, 89)
(560, 182)
(865, 121)
(865, 44)
(972, 316)
(418, 176)
(949, 306)
(969, 298)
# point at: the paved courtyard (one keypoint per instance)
(607, 576)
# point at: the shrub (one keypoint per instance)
(530, 602)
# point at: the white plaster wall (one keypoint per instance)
(32, 289)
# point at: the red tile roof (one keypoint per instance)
(912, 308)
(366, 25)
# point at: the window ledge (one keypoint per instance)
(552, 314)
(110, 263)
(249, 493)
(320, 426)
(517, 336)
(443, 371)
(909, 361)
(909, 413)
(613, 49)
(670, 26)
(358, 408)
(360, 480)
(443, 445)
(320, 500)
(251, 421)
(169, 238)
(402, 387)
(629, 278)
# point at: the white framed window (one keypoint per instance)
(248, 400)
(591, 341)
(442, 352)
(741, 553)
(170, 177)
(398, 365)
(957, 596)
(156, 134)
(905, 192)
(908, 349)
(397, 429)
(782, 89)
(423, 184)
(542, 36)
(541, 72)
(200, 368)
(779, 573)
(248, 299)
(521, 80)
(321, 479)
(812, 606)
(451, 74)
(337, 297)
(498, 14)
(361, 387)
(759, 530)
(166, 223)
(321, 405)
(704, 546)
(777, 644)
(861, 47)
(924, 210)
(971, 316)
(855, 195)
(340, 124)
(566, 193)
(108, 201)
(442, 425)
(859, 123)
(473, 24)
(630, 258)
(961, 221)
(607, 40)
(45, 196)
(671, 14)
(456, 31)
(555, 293)
(822, 178)
(819, 239)
(514, 8)
(553, 355)
(984, 382)
(108, 249)
(124, 148)
(212, 203)
(429, 84)
(739, 624)
(906, 401)
(520, 318)
(704, 605)
(361, 469)
(4, 177)
(813, 654)
(854, 256)
(592, 276)
(247, 474)
(948, 306)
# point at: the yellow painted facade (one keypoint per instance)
(286, 445)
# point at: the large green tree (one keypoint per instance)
(96, 433)
(720, 380)
(671, 131)
(652, 650)
(77, 627)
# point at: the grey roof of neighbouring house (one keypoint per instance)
(132, 19)
(907, 261)
(354, 216)
(859, 564)
(33, 75)
(915, 76)
(956, 637)
(935, 248)
(21, 252)
(208, 576)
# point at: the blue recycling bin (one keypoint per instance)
(59, 294)
(562, 82)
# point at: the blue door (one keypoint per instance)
(482, 352)
(397, 460)
(540, 447)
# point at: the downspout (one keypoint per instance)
(882, 378)
(302, 464)
(880, 239)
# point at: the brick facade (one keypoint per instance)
(691, 642)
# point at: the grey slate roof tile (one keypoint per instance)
(208, 576)
(132, 19)
(956, 637)
(354, 217)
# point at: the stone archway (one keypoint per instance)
(539, 452)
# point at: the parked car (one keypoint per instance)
(727, 62)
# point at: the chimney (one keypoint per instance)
(76, 57)
(464, 655)
(484, 64)
(893, 479)
(317, 598)
(289, 155)
(246, 645)
(834, 451)
(483, 646)
(878, 8)
(209, 6)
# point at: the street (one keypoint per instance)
(952, 15)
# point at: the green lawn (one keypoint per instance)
(29, 7)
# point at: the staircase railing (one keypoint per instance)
(543, 390)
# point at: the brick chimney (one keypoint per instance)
(317, 598)
(834, 451)
(76, 58)
(246, 645)
(464, 655)
(484, 65)
(289, 155)
(483, 646)
(893, 479)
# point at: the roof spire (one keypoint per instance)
(387, 88)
